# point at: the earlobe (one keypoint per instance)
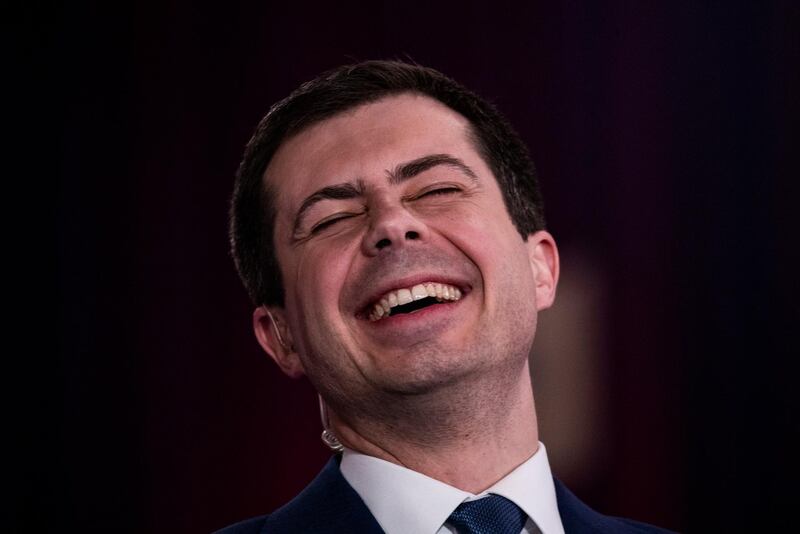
(274, 336)
(543, 255)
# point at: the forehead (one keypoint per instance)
(364, 143)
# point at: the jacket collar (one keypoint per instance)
(328, 505)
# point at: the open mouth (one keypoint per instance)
(410, 300)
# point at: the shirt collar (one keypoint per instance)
(403, 500)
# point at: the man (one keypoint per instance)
(388, 225)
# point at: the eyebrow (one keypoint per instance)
(399, 174)
(407, 170)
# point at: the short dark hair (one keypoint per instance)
(252, 210)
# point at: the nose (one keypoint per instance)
(392, 227)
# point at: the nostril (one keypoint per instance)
(412, 235)
(383, 243)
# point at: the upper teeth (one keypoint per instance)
(398, 297)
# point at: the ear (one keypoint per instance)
(275, 338)
(543, 256)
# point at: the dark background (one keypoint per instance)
(665, 135)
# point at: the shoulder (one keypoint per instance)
(327, 504)
(248, 526)
(579, 518)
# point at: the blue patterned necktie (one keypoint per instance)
(491, 515)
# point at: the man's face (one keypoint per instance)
(387, 200)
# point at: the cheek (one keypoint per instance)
(494, 245)
(492, 236)
(320, 276)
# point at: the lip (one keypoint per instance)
(362, 311)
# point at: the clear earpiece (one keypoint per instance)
(328, 437)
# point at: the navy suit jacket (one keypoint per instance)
(329, 505)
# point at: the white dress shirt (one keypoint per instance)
(406, 502)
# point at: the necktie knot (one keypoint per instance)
(490, 515)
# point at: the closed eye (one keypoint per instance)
(440, 191)
(326, 223)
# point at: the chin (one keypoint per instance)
(429, 371)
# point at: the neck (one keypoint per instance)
(469, 436)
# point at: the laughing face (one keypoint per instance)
(403, 271)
